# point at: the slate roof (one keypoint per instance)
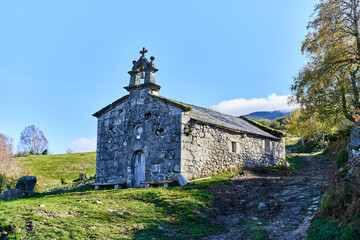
(221, 120)
(226, 121)
(205, 116)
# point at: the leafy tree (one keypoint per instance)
(4, 183)
(265, 122)
(279, 123)
(69, 150)
(308, 125)
(297, 125)
(33, 141)
(328, 84)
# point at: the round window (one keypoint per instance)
(138, 130)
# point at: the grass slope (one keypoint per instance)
(147, 213)
(51, 168)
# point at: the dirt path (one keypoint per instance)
(271, 204)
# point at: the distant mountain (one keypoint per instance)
(271, 115)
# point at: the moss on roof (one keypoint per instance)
(272, 131)
(182, 105)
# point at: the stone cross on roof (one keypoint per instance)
(143, 52)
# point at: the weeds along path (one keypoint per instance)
(268, 204)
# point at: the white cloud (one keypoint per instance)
(84, 145)
(242, 106)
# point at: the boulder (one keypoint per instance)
(26, 183)
(181, 180)
(14, 193)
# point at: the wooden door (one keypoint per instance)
(139, 169)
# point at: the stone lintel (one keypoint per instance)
(152, 69)
(133, 72)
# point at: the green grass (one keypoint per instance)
(342, 158)
(324, 228)
(135, 213)
(160, 213)
(147, 213)
(51, 168)
(295, 162)
(252, 231)
(291, 143)
(260, 234)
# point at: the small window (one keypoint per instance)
(233, 147)
(267, 145)
(147, 116)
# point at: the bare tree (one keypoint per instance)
(8, 165)
(33, 141)
(69, 150)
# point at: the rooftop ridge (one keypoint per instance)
(273, 133)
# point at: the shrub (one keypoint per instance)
(342, 158)
(4, 183)
(84, 166)
(324, 228)
(333, 138)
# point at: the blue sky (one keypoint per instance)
(61, 61)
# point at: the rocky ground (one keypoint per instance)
(271, 204)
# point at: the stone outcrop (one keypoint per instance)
(353, 148)
(24, 188)
(14, 193)
(26, 183)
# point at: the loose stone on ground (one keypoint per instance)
(281, 203)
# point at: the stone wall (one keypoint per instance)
(353, 147)
(207, 150)
(158, 136)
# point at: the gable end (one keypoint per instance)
(110, 106)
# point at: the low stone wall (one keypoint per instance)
(207, 150)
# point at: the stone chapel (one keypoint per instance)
(146, 137)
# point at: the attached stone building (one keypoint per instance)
(144, 136)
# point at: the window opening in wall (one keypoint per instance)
(267, 145)
(111, 128)
(138, 131)
(147, 116)
(233, 147)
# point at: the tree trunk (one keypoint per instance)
(356, 97)
(346, 113)
(323, 135)
(302, 140)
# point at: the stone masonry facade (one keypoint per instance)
(208, 150)
(159, 140)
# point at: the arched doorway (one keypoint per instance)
(139, 168)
